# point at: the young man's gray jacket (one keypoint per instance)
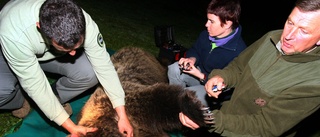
(273, 92)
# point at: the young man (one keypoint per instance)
(214, 48)
(56, 36)
(276, 80)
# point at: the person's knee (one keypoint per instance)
(5, 96)
(173, 69)
(201, 93)
(10, 99)
(90, 78)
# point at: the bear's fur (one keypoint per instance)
(138, 66)
(152, 105)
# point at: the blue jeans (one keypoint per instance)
(187, 81)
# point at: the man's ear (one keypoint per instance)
(228, 24)
(38, 25)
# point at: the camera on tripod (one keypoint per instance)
(170, 51)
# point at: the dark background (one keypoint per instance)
(260, 16)
(257, 16)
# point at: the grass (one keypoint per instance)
(131, 23)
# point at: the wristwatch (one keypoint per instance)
(203, 79)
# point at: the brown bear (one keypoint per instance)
(152, 105)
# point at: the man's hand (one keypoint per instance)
(187, 121)
(214, 81)
(186, 62)
(75, 130)
(125, 127)
(123, 123)
(187, 66)
(192, 70)
(82, 131)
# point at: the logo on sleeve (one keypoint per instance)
(100, 40)
(260, 102)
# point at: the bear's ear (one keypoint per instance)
(190, 105)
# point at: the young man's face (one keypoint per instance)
(215, 28)
(301, 32)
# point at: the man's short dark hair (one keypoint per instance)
(63, 21)
(308, 5)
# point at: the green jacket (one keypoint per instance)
(273, 92)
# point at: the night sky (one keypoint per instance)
(257, 16)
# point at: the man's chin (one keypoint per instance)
(286, 51)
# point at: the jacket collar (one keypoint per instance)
(232, 44)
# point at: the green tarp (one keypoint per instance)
(36, 124)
